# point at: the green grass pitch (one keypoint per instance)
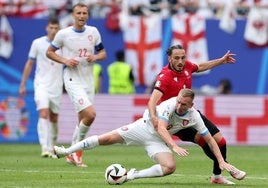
(22, 166)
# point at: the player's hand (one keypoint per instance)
(225, 166)
(180, 151)
(229, 57)
(22, 91)
(71, 63)
(91, 58)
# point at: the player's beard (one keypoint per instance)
(177, 68)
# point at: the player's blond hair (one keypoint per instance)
(185, 92)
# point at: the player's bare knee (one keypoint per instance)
(43, 113)
(88, 116)
(91, 114)
(168, 168)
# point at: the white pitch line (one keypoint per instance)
(86, 172)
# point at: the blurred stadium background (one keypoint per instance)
(241, 116)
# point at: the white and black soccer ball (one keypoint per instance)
(116, 174)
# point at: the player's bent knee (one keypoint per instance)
(168, 168)
(91, 114)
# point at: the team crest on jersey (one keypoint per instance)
(90, 37)
(125, 128)
(81, 101)
(186, 73)
(185, 122)
(175, 79)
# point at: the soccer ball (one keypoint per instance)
(116, 174)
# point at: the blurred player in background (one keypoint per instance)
(121, 78)
(98, 77)
(78, 44)
(224, 87)
(48, 89)
(174, 114)
(176, 76)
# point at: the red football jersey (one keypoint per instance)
(170, 82)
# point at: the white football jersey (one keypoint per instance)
(47, 72)
(78, 45)
(167, 112)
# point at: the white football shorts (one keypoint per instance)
(80, 96)
(44, 98)
(139, 133)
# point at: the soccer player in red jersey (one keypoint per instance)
(177, 75)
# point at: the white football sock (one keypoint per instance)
(217, 176)
(42, 131)
(86, 144)
(83, 129)
(153, 171)
(53, 134)
(75, 135)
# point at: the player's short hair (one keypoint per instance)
(169, 50)
(79, 5)
(186, 92)
(53, 20)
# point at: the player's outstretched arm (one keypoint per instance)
(215, 149)
(226, 58)
(164, 134)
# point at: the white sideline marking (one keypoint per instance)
(86, 172)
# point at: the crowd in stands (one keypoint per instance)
(101, 8)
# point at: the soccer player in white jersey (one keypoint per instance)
(48, 84)
(174, 114)
(81, 46)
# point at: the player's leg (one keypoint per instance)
(159, 153)
(86, 114)
(191, 135)
(89, 143)
(166, 165)
(54, 108)
(220, 140)
(42, 106)
(53, 131)
(215, 132)
(42, 131)
(86, 117)
(129, 134)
